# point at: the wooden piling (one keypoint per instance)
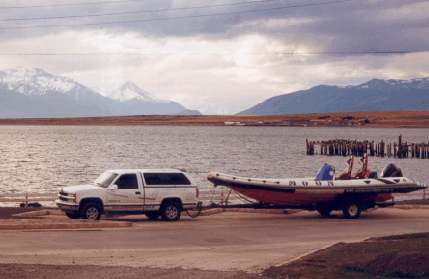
(347, 147)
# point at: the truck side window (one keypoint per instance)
(166, 179)
(127, 181)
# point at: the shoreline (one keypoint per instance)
(400, 119)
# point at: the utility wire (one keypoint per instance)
(291, 53)
(69, 4)
(141, 11)
(264, 10)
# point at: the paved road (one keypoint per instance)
(228, 241)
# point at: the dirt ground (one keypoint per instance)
(403, 256)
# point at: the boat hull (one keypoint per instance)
(286, 198)
(307, 192)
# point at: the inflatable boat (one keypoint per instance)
(325, 192)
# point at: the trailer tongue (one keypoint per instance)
(324, 193)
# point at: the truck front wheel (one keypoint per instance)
(351, 210)
(91, 211)
(170, 211)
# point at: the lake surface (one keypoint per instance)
(44, 158)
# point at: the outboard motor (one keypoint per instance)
(391, 170)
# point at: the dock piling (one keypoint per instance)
(347, 147)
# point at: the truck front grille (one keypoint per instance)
(63, 193)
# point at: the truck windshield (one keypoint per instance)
(105, 179)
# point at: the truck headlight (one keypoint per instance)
(72, 197)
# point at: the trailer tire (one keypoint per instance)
(324, 212)
(170, 210)
(152, 215)
(351, 210)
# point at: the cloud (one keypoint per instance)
(223, 64)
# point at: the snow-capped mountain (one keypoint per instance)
(130, 91)
(37, 93)
(35, 82)
(134, 100)
(374, 95)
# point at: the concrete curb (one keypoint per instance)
(412, 206)
(81, 224)
(30, 214)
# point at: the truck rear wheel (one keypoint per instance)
(91, 211)
(152, 215)
(73, 215)
(351, 210)
(170, 211)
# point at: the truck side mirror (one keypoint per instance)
(113, 187)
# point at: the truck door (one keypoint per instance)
(152, 194)
(126, 193)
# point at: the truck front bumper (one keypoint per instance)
(67, 206)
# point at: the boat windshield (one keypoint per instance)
(326, 172)
(105, 179)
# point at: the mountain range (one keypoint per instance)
(374, 95)
(37, 93)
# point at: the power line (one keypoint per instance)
(69, 4)
(142, 11)
(179, 17)
(291, 53)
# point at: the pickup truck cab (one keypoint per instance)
(155, 192)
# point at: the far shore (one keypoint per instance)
(400, 119)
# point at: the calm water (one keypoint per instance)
(44, 158)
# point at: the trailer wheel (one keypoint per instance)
(351, 210)
(325, 212)
(152, 215)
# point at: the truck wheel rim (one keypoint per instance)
(171, 212)
(92, 213)
(353, 210)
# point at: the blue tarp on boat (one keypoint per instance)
(326, 172)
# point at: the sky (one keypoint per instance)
(217, 56)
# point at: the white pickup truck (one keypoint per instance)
(155, 192)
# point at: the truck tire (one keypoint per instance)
(170, 211)
(324, 211)
(351, 210)
(91, 211)
(73, 215)
(152, 215)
